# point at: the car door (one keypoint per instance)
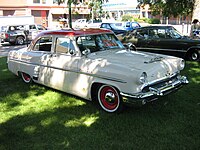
(140, 39)
(62, 66)
(32, 31)
(154, 39)
(39, 56)
(164, 42)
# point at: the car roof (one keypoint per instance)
(75, 32)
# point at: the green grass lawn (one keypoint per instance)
(37, 117)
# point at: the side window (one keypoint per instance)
(153, 33)
(40, 27)
(142, 34)
(162, 34)
(128, 24)
(32, 27)
(43, 44)
(63, 45)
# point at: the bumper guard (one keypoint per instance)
(154, 93)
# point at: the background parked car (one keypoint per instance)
(14, 34)
(83, 23)
(80, 23)
(117, 28)
(130, 26)
(164, 40)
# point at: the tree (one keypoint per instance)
(196, 10)
(96, 8)
(170, 7)
(69, 2)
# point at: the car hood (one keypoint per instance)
(132, 62)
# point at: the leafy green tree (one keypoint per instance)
(96, 8)
(69, 2)
(170, 7)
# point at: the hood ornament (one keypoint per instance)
(155, 59)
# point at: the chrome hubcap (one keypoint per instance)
(194, 56)
(110, 97)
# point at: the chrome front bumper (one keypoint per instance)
(154, 92)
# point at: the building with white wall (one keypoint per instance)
(45, 12)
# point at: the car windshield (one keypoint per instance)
(116, 26)
(99, 42)
(174, 33)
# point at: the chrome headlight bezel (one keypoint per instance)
(181, 64)
(143, 78)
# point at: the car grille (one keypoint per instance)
(160, 85)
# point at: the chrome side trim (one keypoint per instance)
(159, 49)
(70, 70)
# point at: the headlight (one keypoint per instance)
(181, 64)
(143, 78)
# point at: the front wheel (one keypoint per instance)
(109, 99)
(194, 55)
(26, 77)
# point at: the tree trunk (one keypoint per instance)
(196, 10)
(70, 14)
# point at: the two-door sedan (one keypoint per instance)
(94, 64)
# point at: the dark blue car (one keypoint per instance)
(117, 28)
(130, 26)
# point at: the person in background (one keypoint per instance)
(195, 28)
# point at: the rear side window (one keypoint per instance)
(43, 44)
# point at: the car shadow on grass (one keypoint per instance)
(38, 117)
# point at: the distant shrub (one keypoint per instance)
(127, 18)
(153, 21)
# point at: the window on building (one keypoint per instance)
(8, 12)
(36, 1)
(43, 1)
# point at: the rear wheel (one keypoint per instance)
(109, 99)
(194, 55)
(26, 77)
(20, 40)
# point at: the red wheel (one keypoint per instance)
(26, 77)
(109, 98)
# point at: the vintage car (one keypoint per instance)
(94, 64)
(163, 40)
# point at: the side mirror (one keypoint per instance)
(72, 52)
(86, 51)
(130, 46)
